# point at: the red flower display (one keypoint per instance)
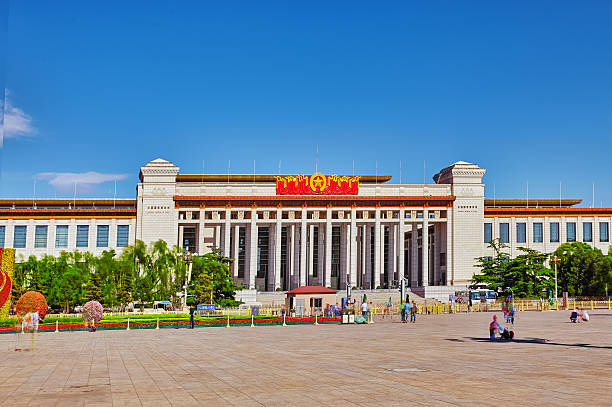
(32, 301)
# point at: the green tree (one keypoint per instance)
(217, 267)
(525, 275)
(583, 270)
(202, 288)
(92, 288)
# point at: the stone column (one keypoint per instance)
(436, 257)
(377, 249)
(414, 273)
(278, 239)
(425, 245)
(369, 282)
(291, 271)
(201, 234)
(321, 261)
(303, 240)
(392, 254)
(450, 244)
(218, 236)
(180, 237)
(253, 250)
(362, 270)
(235, 250)
(328, 247)
(311, 244)
(353, 249)
(400, 245)
(346, 254)
(227, 251)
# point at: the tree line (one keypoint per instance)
(582, 270)
(139, 274)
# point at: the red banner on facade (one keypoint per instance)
(317, 184)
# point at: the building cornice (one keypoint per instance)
(550, 212)
(320, 201)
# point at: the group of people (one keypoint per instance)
(408, 309)
(577, 316)
(496, 328)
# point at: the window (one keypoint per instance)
(554, 232)
(61, 236)
(488, 232)
(603, 232)
(442, 259)
(189, 239)
(335, 255)
(284, 257)
(19, 237)
(241, 251)
(40, 237)
(504, 232)
(521, 232)
(263, 244)
(386, 256)
(587, 232)
(123, 234)
(2, 233)
(537, 233)
(82, 237)
(315, 252)
(102, 236)
(571, 231)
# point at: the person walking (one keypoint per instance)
(413, 311)
(403, 312)
(192, 310)
(407, 308)
(364, 309)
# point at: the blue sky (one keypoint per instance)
(95, 90)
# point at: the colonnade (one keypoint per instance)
(365, 247)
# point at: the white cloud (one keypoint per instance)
(17, 123)
(84, 181)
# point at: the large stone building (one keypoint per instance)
(290, 231)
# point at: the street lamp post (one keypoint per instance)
(187, 261)
(555, 259)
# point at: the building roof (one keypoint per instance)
(258, 178)
(530, 203)
(312, 289)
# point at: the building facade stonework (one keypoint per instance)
(284, 232)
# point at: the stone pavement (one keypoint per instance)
(442, 360)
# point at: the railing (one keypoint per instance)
(520, 305)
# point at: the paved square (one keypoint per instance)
(442, 360)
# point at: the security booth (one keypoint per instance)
(310, 300)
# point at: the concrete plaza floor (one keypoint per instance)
(442, 360)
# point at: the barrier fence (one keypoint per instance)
(381, 310)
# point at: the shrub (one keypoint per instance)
(32, 301)
(92, 311)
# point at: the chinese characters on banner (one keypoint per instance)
(317, 184)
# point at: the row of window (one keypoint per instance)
(538, 235)
(61, 236)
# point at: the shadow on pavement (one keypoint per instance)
(541, 341)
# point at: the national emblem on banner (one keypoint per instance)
(317, 184)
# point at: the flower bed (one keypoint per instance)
(47, 327)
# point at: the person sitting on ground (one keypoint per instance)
(493, 327)
(584, 315)
(574, 315)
